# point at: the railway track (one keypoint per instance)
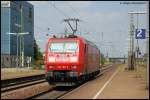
(59, 92)
(16, 83)
(53, 93)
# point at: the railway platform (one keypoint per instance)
(10, 73)
(115, 84)
(126, 84)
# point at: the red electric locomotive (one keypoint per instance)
(71, 60)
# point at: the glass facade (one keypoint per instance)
(5, 27)
(10, 21)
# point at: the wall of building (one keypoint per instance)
(28, 26)
(5, 28)
(15, 19)
(11, 15)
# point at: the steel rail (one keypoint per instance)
(21, 80)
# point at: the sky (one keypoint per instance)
(106, 23)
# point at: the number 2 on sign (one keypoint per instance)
(139, 33)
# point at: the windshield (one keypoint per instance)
(64, 47)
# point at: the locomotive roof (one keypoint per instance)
(77, 37)
(91, 43)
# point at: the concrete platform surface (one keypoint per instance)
(116, 83)
(8, 73)
(127, 85)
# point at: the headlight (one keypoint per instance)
(51, 66)
(51, 59)
(73, 59)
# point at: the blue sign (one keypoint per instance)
(140, 34)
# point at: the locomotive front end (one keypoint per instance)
(62, 62)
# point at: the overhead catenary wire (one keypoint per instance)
(74, 10)
(77, 13)
(35, 25)
(64, 14)
(43, 19)
(54, 6)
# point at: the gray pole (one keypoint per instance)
(20, 36)
(17, 34)
(137, 48)
(131, 48)
(17, 50)
(22, 39)
(148, 44)
(129, 52)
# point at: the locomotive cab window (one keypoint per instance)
(64, 47)
(56, 47)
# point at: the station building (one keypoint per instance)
(13, 21)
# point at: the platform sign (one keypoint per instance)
(140, 34)
(5, 3)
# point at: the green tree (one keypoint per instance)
(35, 50)
(37, 53)
(38, 57)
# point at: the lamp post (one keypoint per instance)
(17, 42)
(22, 49)
(22, 38)
(18, 34)
(17, 46)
